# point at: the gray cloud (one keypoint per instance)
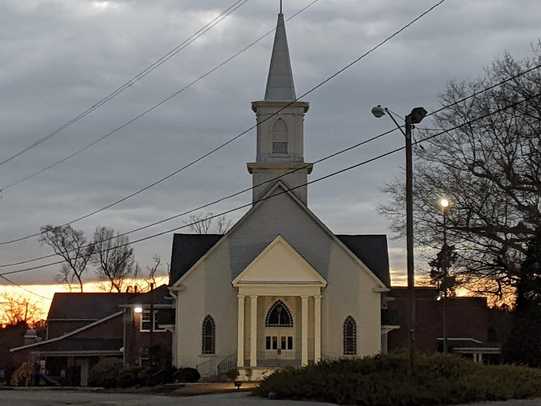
(60, 56)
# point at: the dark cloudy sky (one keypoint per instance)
(57, 57)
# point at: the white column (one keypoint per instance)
(253, 331)
(240, 333)
(304, 331)
(317, 328)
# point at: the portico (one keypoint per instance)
(279, 309)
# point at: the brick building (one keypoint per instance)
(469, 324)
(84, 328)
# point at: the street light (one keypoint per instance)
(444, 204)
(415, 117)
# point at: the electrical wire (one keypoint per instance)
(330, 175)
(184, 44)
(322, 159)
(5, 278)
(236, 137)
(150, 109)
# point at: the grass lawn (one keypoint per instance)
(384, 381)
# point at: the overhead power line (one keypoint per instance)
(165, 100)
(160, 61)
(318, 161)
(5, 278)
(241, 134)
(330, 175)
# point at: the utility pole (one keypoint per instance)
(152, 320)
(444, 203)
(415, 117)
(409, 243)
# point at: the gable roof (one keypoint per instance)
(270, 194)
(307, 272)
(187, 250)
(372, 251)
(86, 306)
(71, 333)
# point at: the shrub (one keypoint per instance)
(187, 375)
(384, 381)
(105, 373)
(129, 377)
(157, 376)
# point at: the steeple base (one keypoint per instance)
(294, 175)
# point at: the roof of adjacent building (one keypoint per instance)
(159, 296)
(187, 249)
(86, 306)
(85, 344)
(280, 85)
(370, 249)
(73, 341)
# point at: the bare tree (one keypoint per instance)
(72, 246)
(113, 257)
(489, 169)
(152, 271)
(207, 223)
(18, 311)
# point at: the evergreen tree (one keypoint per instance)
(524, 343)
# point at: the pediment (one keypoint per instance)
(279, 263)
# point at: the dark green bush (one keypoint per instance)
(384, 381)
(128, 378)
(105, 373)
(187, 375)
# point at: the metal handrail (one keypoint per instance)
(227, 364)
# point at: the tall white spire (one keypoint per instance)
(280, 85)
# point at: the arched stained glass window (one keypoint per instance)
(208, 336)
(350, 336)
(279, 316)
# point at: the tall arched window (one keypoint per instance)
(279, 316)
(279, 137)
(350, 336)
(208, 336)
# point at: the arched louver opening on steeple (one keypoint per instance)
(208, 336)
(350, 336)
(279, 316)
(279, 137)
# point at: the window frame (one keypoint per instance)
(275, 305)
(349, 336)
(154, 321)
(208, 338)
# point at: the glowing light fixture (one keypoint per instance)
(138, 309)
(444, 203)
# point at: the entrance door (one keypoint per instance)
(279, 343)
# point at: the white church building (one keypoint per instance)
(279, 288)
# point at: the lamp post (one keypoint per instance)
(444, 204)
(415, 117)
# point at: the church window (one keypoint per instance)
(350, 336)
(279, 316)
(279, 137)
(209, 336)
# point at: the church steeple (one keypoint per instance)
(280, 129)
(280, 85)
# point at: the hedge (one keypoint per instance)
(385, 381)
